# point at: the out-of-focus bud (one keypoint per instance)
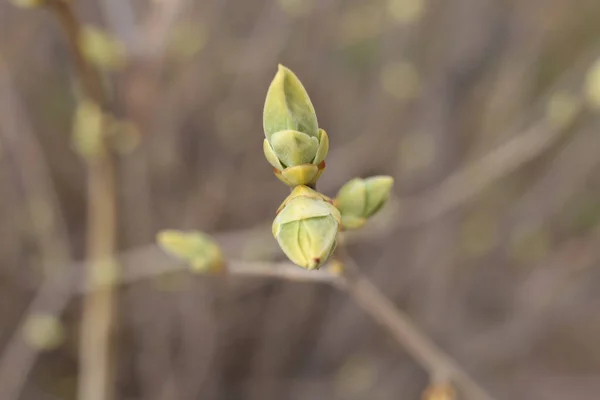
(43, 332)
(592, 86)
(359, 199)
(443, 391)
(88, 123)
(102, 49)
(195, 248)
(294, 144)
(28, 3)
(306, 227)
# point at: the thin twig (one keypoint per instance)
(98, 309)
(525, 145)
(246, 269)
(441, 366)
(366, 295)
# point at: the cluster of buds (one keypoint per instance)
(307, 222)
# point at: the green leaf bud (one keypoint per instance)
(359, 199)
(306, 227)
(292, 136)
(288, 107)
(195, 248)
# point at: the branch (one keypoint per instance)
(441, 367)
(95, 354)
(54, 295)
(525, 145)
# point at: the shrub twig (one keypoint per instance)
(95, 353)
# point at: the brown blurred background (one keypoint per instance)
(478, 108)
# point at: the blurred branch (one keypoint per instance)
(536, 299)
(366, 295)
(53, 297)
(157, 27)
(90, 79)
(98, 310)
(19, 357)
(441, 367)
(573, 165)
(471, 180)
(40, 196)
(570, 169)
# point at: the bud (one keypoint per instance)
(294, 144)
(43, 331)
(441, 391)
(28, 3)
(360, 199)
(195, 248)
(88, 126)
(101, 49)
(592, 85)
(306, 227)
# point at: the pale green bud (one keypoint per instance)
(306, 227)
(288, 107)
(360, 199)
(195, 248)
(294, 145)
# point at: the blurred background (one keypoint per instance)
(485, 112)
